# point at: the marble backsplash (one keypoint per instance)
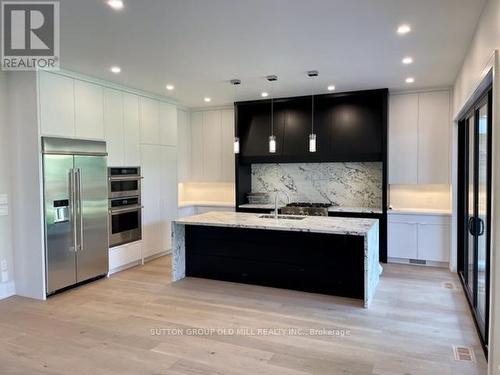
(341, 184)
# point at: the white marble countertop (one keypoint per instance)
(205, 204)
(418, 211)
(315, 224)
(364, 210)
(262, 206)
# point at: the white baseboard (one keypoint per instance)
(7, 289)
(428, 263)
(157, 255)
(138, 262)
(124, 267)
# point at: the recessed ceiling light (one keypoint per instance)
(207, 99)
(170, 87)
(407, 60)
(410, 80)
(115, 4)
(331, 88)
(404, 29)
(264, 94)
(116, 69)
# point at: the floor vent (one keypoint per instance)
(418, 261)
(464, 354)
(449, 285)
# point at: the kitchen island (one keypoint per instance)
(330, 255)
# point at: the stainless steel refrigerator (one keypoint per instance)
(76, 211)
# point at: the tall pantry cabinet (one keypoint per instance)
(139, 130)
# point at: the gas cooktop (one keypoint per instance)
(306, 208)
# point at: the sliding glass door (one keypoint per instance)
(474, 209)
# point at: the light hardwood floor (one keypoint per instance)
(106, 328)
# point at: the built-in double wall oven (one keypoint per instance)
(125, 209)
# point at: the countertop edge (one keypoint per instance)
(419, 212)
(289, 229)
(205, 204)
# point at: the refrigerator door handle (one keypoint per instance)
(72, 194)
(80, 214)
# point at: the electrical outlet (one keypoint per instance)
(3, 265)
(5, 276)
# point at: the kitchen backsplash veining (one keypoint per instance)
(353, 184)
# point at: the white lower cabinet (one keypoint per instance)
(126, 255)
(168, 195)
(151, 214)
(434, 242)
(419, 237)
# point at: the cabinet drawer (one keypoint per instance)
(434, 243)
(419, 219)
(402, 240)
(122, 255)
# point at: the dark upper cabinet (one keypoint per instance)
(254, 129)
(297, 126)
(349, 127)
(357, 126)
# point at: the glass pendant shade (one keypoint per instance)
(236, 145)
(272, 144)
(312, 142)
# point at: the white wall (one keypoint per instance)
(478, 59)
(6, 252)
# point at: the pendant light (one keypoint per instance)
(236, 144)
(272, 137)
(312, 136)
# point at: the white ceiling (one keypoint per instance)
(199, 45)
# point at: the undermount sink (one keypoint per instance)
(282, 217)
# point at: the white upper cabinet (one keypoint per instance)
(212, 152)
(131, 130)
(113, 127)
(419, 138)
(403, 139)
(57, 105)
(150, 121)
(88, 110)
(197, 143)
(434, 133)
(211, 143)
(183, 146)
(228, 160)
(168, 124)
